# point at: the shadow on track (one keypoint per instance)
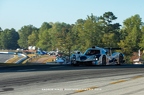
(32, 68)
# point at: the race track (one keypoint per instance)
(69, 80)
(4, 57)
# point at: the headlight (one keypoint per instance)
(95, 58)
(74, 59)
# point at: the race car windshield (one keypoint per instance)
(92, 52)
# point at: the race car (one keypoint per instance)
(59, 60)
(98, 56)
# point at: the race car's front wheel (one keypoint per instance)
(74, 62)
(104, 60)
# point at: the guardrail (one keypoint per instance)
(7, 52)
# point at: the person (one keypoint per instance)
(93, 52)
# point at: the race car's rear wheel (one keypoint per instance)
(104, 60)
(120, 61)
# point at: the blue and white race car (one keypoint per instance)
(98, 56)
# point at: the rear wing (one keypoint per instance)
(113, 48)
(109, 50)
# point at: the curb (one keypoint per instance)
(22, 59)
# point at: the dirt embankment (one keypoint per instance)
(43, 59)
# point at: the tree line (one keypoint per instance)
(99, 31)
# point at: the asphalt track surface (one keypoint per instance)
(16, 77)
(4, 57)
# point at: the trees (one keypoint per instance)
(97, 31)
(9, 38)
(24, 32)
(80, 35)
(131, 32)
(141, 43)
(63, 37)
(44, 36)
(92, 31)
(4, 39)
(110, 30)
(33, 38)
(44, 40)
(14, 40)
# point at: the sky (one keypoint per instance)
(17, 13)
